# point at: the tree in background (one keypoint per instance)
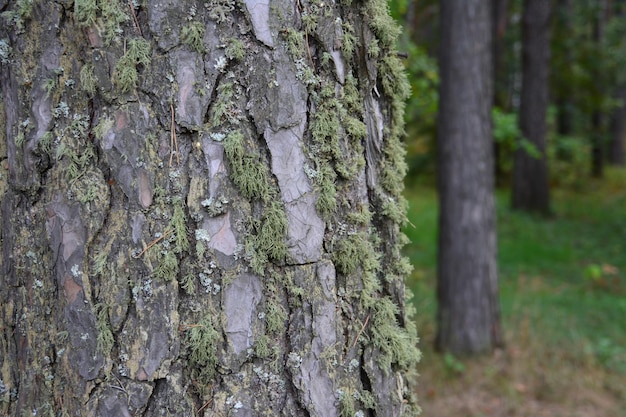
(201, 209)
(468, 308)
(530, 188)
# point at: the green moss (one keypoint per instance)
(125, 75)
(395, 343)
(355, 251)
(295, 42)
(178, 223)
(248, 173)
(100, 263)
(49, 85)
(167, 268)
(270, 238)
(188, 283)
(346, 404)
(381, 23)
(113, 15)
(349, 41)
(105, 336)
(235, 50)
(104, 125)
(222, 108)
(192, 35)
(262, 346)
(201, 340)
(45, 143)
(88, 80)
(367, 400)
(275, 317)
(21, 12)
(395, 210)
(327, 198)
(86, 11)
(361, 215)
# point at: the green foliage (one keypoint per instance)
(564, 275)
(202, 340)
(453, 365)
(192, 35)
(125, 75)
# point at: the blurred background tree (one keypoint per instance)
(562, 277)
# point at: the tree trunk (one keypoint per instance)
(468, 311)
(598, 117)
(201, 210)
(562, 84)
(530, 172)
(500, 90)
(616, 154)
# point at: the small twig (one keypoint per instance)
(206, 404)
(151, 244)
(367, 319)
(132, 12)
(173, 141)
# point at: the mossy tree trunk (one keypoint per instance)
(201, 209)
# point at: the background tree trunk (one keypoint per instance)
(616, 154)
(530, 172)
(468, 311)
(201, 210)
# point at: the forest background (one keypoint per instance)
(562, 276)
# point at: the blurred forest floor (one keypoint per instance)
(563, 298)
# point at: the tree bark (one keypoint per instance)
(616, 154)
(201, 210)
(530, 172)
(500, 89)
(468, 310)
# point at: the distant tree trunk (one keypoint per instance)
(530, 172)
(561, 84)
(616, 154)
(201, 210)
(616, 151)
(500, 90)
(468, 312)
(598, 117)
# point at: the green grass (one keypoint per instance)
(546, 267)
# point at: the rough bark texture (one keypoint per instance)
(530, 191)
(468, 313)
(201, 208)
